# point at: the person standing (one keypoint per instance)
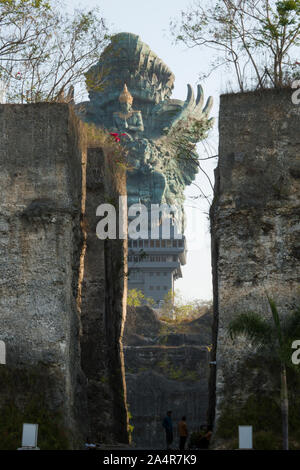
(168, 425)
(183, 433)
(204, 441)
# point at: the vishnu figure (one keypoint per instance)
(144, 183)
(128, 120)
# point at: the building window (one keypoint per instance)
(130, 259)
(174, 258)
(146, 243)
(165, 274)
(175, 243)
(157, 243)
(141, 243)
(163, 243)
(135, 243)
(157, 287)
(157, 274)
(151, 287)
(151, 243)
(165, 288)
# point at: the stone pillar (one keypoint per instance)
(255, 228)
(103, 303)
(40, 242)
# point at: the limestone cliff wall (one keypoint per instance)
(40, 249)
(43, 192)
(167, 368)
(103, 302)
(255, 227)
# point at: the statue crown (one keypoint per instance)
(125, 96)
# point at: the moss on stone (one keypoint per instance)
(24, 400)
(263, 412)
(177, 373)
(51, 436)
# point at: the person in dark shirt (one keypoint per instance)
(168, 425)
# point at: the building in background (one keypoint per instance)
(154, 266)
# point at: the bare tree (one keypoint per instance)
(18, 24)
(44, 54)
(252, 37)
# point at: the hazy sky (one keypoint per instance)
(150, 20)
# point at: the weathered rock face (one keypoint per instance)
(43, 158)
(40, 250)
(167, 367)
(255, 227)
(103, 300)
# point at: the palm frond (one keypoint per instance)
(253, 326)
(291, 325)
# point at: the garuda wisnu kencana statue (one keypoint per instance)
(159, 133)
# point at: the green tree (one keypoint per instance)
(150, 301)
(274, 339)
(177, 308)
(254, 37)
(135, 298)
(44, 52)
